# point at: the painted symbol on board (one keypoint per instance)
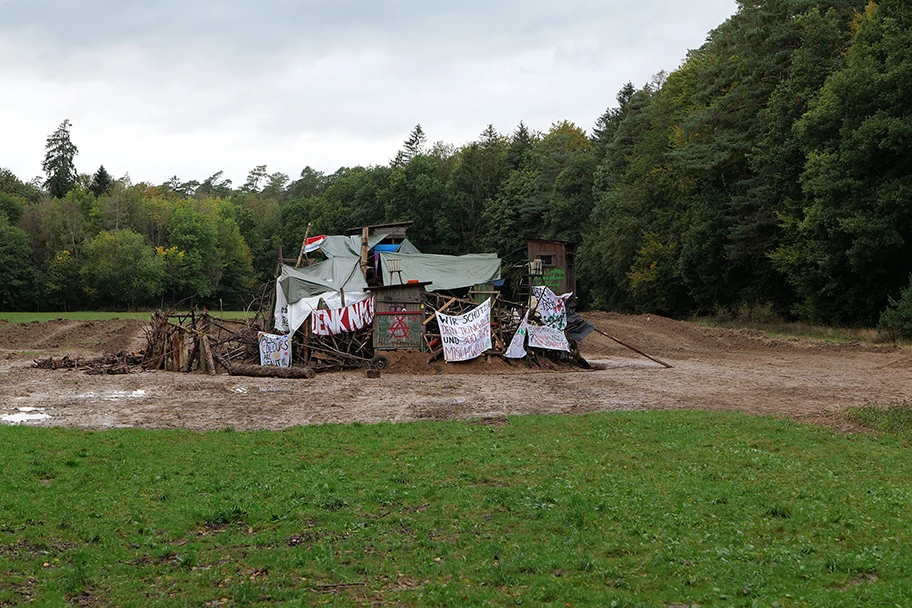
(399, 329)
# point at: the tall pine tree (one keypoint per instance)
(58, 161)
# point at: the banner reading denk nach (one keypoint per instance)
(343, 320)
(468, 335)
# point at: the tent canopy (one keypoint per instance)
(337, 246)
(335, 274)
(335, 283)
(444, 272)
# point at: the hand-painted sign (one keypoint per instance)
(547, 337)
(553, 277)
(551, 307)
(517, 350)
(343, 320)
(468, 335)
(274, 350)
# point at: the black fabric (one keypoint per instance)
(577, 327)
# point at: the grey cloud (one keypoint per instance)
(371, 70)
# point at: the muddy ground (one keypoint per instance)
(713, 369)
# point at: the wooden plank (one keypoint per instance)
(440, 310)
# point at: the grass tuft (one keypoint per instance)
(895, 418)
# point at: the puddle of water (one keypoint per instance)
(243, 390)
(26, 414)
(114, 395)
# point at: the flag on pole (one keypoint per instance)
(313, 243)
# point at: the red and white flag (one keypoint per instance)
(313, 243)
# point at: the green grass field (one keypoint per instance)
(621, 509)
(28, 317)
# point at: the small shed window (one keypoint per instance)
(547, 259)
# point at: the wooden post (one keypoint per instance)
(303, 246)
(365, 234)
(207, 347)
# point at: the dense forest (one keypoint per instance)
(772, 169)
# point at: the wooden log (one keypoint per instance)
(193, 356)
(207, 349)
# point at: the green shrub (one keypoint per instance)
(896, 319)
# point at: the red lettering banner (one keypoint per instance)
(343, 320)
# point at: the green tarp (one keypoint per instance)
(445, 272)
(334, 274)
(346, 246)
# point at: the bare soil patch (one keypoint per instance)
(714, 369)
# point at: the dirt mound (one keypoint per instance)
(73, 337)
(663, 337)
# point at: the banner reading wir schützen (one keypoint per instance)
(468, 335)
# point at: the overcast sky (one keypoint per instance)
(165, 87)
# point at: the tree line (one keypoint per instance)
(772, 169)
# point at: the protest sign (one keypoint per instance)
(517, 350)
(552, 308)
(548, 338)
(274, 350)
(468, 335)
(343, 320)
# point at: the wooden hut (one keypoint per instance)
(558, 264)
(398, 316)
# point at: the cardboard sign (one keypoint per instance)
(552, 308)
(468, 335)
(274, 350)
(343, 320)
(548, 338)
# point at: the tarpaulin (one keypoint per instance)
(337, 282)
(444, 272)
(348, 246)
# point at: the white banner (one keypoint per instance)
(274, 350)
(547, 337)
(468, 335)
(343, 320)
(552, 308)
(517, 349)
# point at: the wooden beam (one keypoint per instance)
(634, 349)
(303, 246)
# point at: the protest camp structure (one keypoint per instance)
(347, 299)
(421, 302)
